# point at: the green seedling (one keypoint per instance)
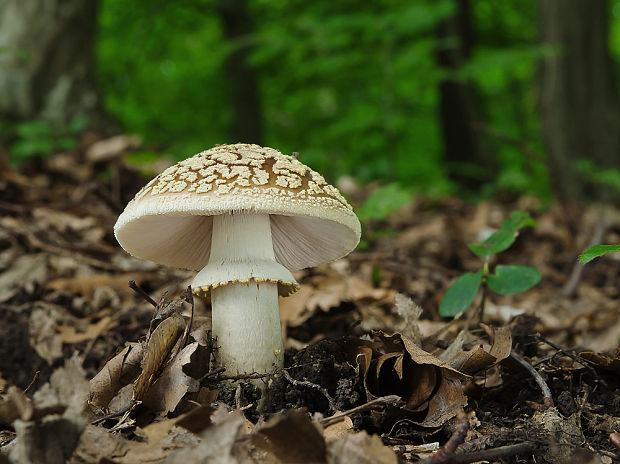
(506, 280)
(597, 250)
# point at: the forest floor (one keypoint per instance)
(372, 373)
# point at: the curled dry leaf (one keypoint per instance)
(484, 356)
(119, 371)
(430, 388)
(157, 351)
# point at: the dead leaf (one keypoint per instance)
(360, 448)
(337, 430)
(157, 351)
(43, 335)
(69, 334)
(292, 438)
(112, 148)
(604, 362)
(410, 314)
(15, 405)
(173, 383)
(430, 388)
(119, 371)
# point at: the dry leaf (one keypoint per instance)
(410, 313)
(157, 351)
(173, 383)
(292, 438)
(119, 371)
(360, 448)
(337, 430)
(395, 365)
(69, 334)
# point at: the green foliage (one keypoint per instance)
(460, 294)
(506, 280)
(597, 250)
(509, 280)
(352, 86)
(41, 138)
(383, 202)
(505, 237)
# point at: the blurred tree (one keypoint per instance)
(467, 163)
(47, 61)
(580, 109)
(242, 77)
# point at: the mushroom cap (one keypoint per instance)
(170, 220)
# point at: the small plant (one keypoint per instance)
(42, 138)
(597, 250)
(506, 280)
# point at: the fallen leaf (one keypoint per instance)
(165, 393)
(360, 448)
(69, 334)
(157, 351)
(292, 438)
(119, 371)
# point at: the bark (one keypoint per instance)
(242, 77)
(457, 106)
(580, 111)
(47, 63)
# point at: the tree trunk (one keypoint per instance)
(580, 110)
(47, 61)
(242, 77)
(466, 162)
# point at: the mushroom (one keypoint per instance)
(245, 216)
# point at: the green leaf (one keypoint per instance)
(460, 294)
(597, 250)
(384, 201)
(503, 238)
(509, 280)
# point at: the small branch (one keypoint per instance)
(495, 453)
(576, 274)
(314, 386)
(132, 404)
(136, 288)
(35, 377)
(389, 399)
(547, 399)
(584, 362)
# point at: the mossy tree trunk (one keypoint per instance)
(580, 110)
(47, 61)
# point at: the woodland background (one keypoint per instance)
(435, 118)
(470, 97)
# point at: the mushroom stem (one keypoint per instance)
(245, 313)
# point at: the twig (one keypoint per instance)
(570, 288)
(492, 454)
(306, 383)
(35, 377)
(188, 296)
(547, 399)
(136, 288)
(389, 399)
(446, 453)
(132, 404)
(584, 362)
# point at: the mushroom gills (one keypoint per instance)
(243, 277)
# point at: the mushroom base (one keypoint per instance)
(246, 325)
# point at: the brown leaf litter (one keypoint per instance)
(373, 374)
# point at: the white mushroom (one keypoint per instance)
(245, 216)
